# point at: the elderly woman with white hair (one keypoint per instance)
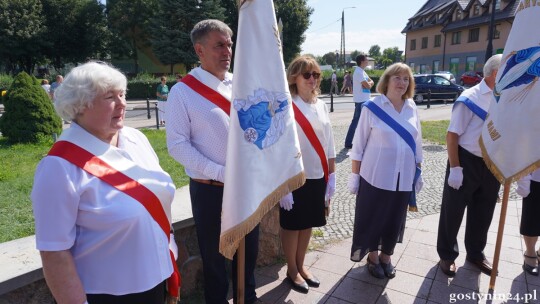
(101, 201)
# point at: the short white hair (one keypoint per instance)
(83, 84)
(492, 64)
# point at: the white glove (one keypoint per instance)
(330, 187)
(353, 183)
(455, 179)
(173, 247)
(286, 202)
(524, 186)
(419, 184)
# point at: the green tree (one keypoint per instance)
(329, 58)
(170, 29)
(354, 54)
(76, 31)
(21, 34)
(390, 55)
(29, 114)
(295, 17)
(129, 21)
(374, 51)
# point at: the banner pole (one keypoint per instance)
(500, 232)
(240, 274)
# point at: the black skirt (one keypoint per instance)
(308, 208)
(530, 225)
(379, 220)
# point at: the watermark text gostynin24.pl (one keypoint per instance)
(476, 296)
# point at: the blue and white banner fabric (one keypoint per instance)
(511, 133)
(263, 154)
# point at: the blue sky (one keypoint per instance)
(371, 22)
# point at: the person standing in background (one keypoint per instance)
(162, 92)
(361, 93)
(334, 83)
(55, 85)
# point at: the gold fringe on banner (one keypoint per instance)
(498, 174)
(230, 239)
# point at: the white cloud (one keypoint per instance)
(322, 43)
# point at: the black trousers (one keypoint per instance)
(478, 194)
(206, 203)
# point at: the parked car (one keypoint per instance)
(471, 78)
(448, 75)
(440, 87)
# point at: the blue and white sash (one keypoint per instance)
(472, 106)
(407, 137)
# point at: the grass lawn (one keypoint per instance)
(18, 163)
(17, 166)
(435, 131)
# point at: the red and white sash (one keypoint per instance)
(95, 157)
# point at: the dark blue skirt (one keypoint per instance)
(308, 207)
(379, 220)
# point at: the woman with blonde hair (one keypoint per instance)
(387, 150)
(304, 208)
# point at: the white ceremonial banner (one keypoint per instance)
(263, 154)
(510, 138)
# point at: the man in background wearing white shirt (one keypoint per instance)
(197, 131)
(361, 92)
(334, 85)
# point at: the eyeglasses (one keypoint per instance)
(315, 75)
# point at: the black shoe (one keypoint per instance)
(375, 270)
(532, 270)
(389, 270)
(448, 267)
(300, 287)
(313, 282)
(483, 265)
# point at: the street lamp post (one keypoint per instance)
(489, 48)
(342, 47)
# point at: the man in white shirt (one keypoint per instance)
(334, 85)
(197, 134)
(468, 182)
(361, 92)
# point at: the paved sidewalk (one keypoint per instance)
(418, 279)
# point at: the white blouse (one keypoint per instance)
(317, 115)
(117, 247)
(385, 156)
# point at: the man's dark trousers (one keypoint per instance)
(354, 124)
(206, 202)
(478, 194)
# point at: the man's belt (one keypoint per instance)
(208, 182)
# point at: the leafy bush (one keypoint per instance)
(29, 113)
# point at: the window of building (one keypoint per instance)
(437, 41)
(497, 5)
(423, 69)
(436, 64)
(454, 65)
(476, 10)
(424, 42)
(471, 64)
(458, 15)
(497, 31)
(456, 37)
(413, 44)
(474, 34)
